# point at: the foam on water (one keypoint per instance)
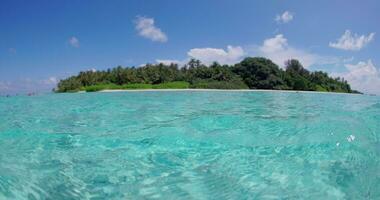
(190, 145)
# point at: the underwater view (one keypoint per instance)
(190, 145)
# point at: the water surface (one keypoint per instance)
(190, 145)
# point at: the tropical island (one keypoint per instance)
(251, 73)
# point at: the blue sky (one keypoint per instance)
(43, 41)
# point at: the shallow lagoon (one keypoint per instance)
(190, 145)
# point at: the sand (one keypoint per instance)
(219, 90)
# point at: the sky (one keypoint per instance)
(43, 41)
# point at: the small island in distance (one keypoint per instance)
(251, 73)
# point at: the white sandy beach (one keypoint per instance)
(219, 90)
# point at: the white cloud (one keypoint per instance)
(278, 50)
(285, 17)
(146, 28)
(363, 76)
(208, 55)
(74, 42)
(352, 42)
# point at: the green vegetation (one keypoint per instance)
(172, 85)
(251, 73)
(213, 84)
(135, 86)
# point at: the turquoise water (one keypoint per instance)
(190, 145)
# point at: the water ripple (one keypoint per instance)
(190, 145)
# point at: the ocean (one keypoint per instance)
(190, 145)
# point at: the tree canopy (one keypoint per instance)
(252, 73)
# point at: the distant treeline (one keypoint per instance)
(251, 73)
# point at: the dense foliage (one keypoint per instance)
(251, 73)
(132, 86)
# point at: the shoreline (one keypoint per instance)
(217, 90)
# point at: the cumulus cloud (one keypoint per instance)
(278, 50)
(353, 42)
(363, 76)
(146, 28)
(284, 17)
(232, 55)
(208, 55)
(74, 42)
